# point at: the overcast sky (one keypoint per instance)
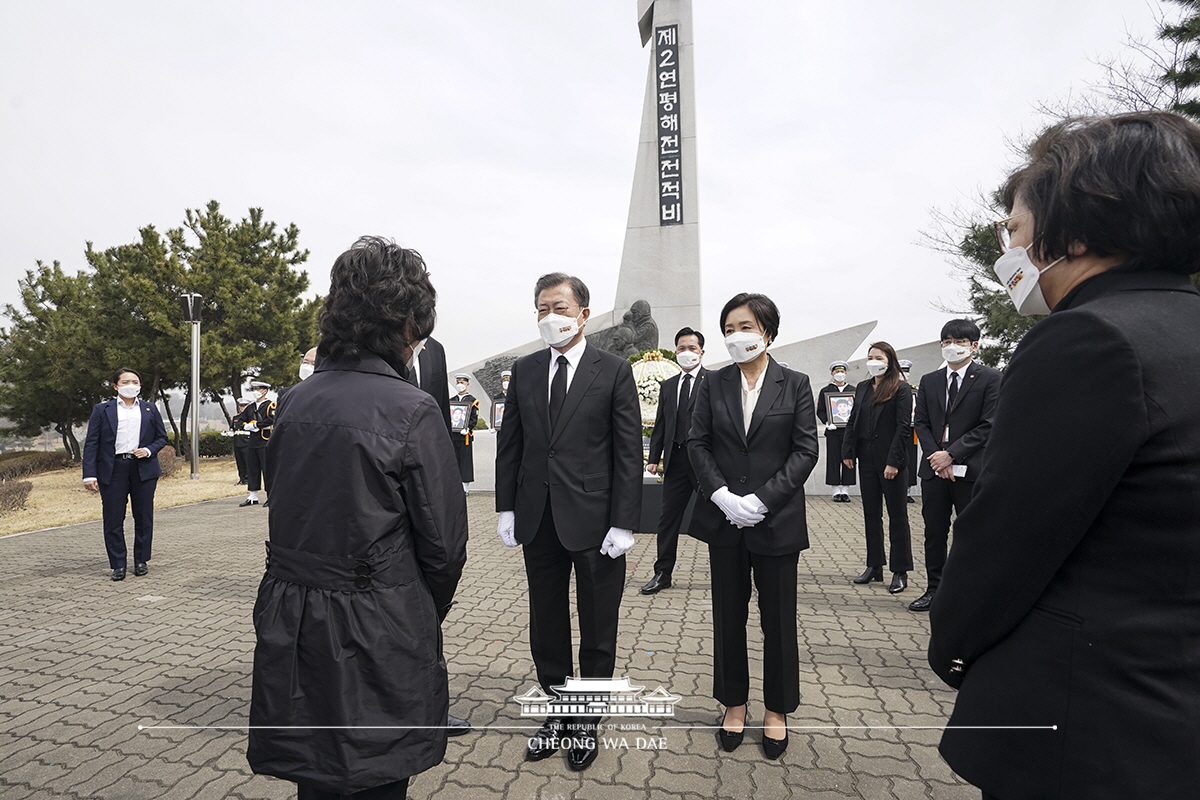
(499, 138)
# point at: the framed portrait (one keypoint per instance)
(497, 414)
(838, 406)
(459, 414)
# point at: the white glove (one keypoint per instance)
(617, 542)
(754, 507)
(507, 529)
(831, 427)
(734, 509)
(250, 426)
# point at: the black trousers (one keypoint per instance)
(876, 490)
(466, 458)
(775, 579)
(938, 498)
(679, 484)
(599, 582)
(388, 791)
(127, 484)
(256, 469)
(836, 471)
(239, 457)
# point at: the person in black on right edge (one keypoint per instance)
(876, 436)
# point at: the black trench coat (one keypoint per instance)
(368, 540)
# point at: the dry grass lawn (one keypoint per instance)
(58, 498)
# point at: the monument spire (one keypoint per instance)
(660, 262)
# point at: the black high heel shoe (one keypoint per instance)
(872, 574)
(729, 740)
(774, 748)
(899, 582)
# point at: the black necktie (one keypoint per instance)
(558, 390)
(953, 390)
(683, 418)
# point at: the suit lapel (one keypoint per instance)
(968, 383)
(940, 385)
(733, 398)
(111, 414)
(585, 373)
(669, 393)
(540, 401)
(876, 408)
(772, 387)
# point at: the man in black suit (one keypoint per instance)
(668, 442)
(120, 461)
(569, 488)
(955, 405)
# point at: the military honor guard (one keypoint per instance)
(465, 412)
(241, 440)
(258, 419)
(838, 476)
(499, 400)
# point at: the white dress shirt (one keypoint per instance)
(573, 355)
(750, 398)
(695, 372)
(962, 376)
(129, 426)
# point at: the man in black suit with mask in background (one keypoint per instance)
(569, 488)
(668, 442)
(953, 420)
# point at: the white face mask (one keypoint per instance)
(744, 346)
(556, 330)
(1019, 276)
(504, 385)
(955, 353)
(129, 391)
(839, 377)
(875, 368)
(306, 370)
(462, 387)
(687, 359)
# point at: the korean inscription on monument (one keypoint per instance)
(670, 173)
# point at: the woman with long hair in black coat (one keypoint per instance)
(877, 436)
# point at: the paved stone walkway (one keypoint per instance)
(84, 662)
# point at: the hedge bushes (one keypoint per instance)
(13, 495)
(30, 463)
(213, 444)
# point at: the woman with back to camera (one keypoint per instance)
(368, 531)
(877, 436)
(753, 443)
(1068, 616)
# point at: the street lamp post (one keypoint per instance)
(191, 313)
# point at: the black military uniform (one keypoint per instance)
(241, 441)
(463, 439)
(258, 419)
(905, 369)
(502, 397)
(837, 474)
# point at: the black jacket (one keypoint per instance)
(431, 362)
(590, 465)
(884, 429)
(368, 540)
(663, 435)
(772, 461)
(1071, 591)
(970, 418)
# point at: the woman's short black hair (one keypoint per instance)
(761, 306)
(380, 299)
(1122, 185)
(119, 371)
(960, 329)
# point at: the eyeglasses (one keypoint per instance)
(1003, 234)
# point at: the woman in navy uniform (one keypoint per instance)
(257, 420)
(837, 474)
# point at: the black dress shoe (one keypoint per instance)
(872, 574)
(923, 602)
(899, 582)
(910, 499)
(140, 568)
(660, 581)
(247, 502)
(773, 748)
(456, 726)
(267, 502)
(548, 740)
(583, 749)
(118, 574)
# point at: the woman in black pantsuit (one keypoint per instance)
(877, 435)
(753, 443)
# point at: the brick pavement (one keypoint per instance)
(85, 661)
